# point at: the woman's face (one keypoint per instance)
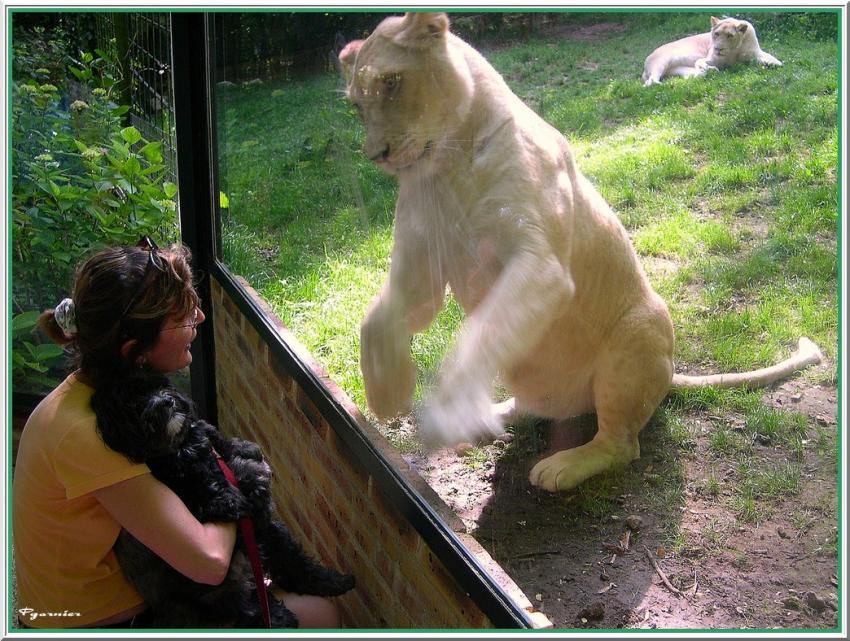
(171, 351)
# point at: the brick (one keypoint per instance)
(353, 610)
(230, 307)
(284, 378)
(311, 412)
(330, 504)
(244, 347)
(386, 566)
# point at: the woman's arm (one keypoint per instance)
(157, 517)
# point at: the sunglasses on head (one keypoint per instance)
(155, 261)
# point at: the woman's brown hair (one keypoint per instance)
(120, 294)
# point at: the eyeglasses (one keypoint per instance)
(192, 323)
(155, 260)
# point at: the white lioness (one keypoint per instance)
(491, 203)
(730, 41)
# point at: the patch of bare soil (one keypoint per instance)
(587, 32)
(668, 551)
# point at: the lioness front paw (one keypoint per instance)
(566, 469)
(557, 472)
(703, 66)
(389, 374)
(447, 420)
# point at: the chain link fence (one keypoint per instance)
(142, 42)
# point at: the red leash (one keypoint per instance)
(246, 526)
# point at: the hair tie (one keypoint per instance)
(65, 317)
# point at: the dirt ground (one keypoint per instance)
(652, 557)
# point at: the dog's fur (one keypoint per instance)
(147, 420)
(729, 42)
(492, 204)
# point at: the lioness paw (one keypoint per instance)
(389, 374)
(567, 468)
(448, 420)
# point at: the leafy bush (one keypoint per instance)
(817, 25)
(81, 180)
(32, 361)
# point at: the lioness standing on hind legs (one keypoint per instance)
(491, 203)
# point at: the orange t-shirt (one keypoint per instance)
(66, 571)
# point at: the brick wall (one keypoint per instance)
(331, 504)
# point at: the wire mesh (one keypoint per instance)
(146, 48)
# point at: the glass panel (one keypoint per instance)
(308, 218)
(724, 183)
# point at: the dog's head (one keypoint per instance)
(164, 422)
(142, 416)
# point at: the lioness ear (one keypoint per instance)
(421, 29)
(347, 57)
(714, 22)
(743, 27)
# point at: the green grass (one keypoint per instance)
(726, 184)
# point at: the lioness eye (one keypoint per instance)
(391, 82)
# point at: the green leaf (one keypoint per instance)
(131, 135)
(47, 351)
(120, 111)
(169, 189)
(223, 200)
(151, 152)
(132, 166)
(24, 322)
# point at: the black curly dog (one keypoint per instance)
(145, 418)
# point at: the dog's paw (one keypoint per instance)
(324, 581)
(229, 504)
(339, 584)
(463, 415)
(247, 449)
(253, 471)
(254, 479)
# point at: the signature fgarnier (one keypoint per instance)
(32, 615)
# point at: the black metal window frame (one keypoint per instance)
(193, 56)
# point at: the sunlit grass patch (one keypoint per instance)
(683, 234)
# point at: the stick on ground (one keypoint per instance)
(660, 572)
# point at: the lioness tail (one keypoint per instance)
(807, 354)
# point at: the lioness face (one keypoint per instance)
(405, 92)
(726, 37)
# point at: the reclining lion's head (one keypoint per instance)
(727, 38)
(412, 89)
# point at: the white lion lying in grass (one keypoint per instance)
(730, 41)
